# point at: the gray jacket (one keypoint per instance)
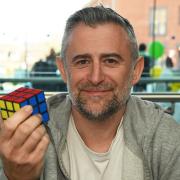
(149, 133)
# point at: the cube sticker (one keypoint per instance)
(15, 100)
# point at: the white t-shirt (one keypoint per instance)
(86, 164)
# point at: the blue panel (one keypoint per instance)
(43, 107)
(45, 117)
(41, 97)
(24, 103)
(32, 101)
(35, 110)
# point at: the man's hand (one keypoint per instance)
(23, 144)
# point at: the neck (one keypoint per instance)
(97, 135)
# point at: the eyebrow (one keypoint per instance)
(81, 56)
(104, 55)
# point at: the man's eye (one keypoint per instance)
(81, 63)
(111, 61)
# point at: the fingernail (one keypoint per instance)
(28, 108)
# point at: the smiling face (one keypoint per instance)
(99, 71)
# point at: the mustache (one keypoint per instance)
(99, 87)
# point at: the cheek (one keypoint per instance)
(122, 78)
(75, 77)
(117, 75)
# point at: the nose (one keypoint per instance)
(96, 74)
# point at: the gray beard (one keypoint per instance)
(110, 109)
(114, 105)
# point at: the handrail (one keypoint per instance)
(155, 97)
(172, 98)
(159, 97)
(32, 79)
(59, 80)
(160, 80)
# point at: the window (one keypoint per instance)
(158, 21)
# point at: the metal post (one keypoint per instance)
(153, 27)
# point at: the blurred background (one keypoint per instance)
(31, 33)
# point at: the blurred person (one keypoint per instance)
(147, 66)
(52, 55)
(167, 72)
(147, 60)
(51, 68)
(46, 68)
(97, 130)
(39, 68)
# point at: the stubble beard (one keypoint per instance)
(110, 107)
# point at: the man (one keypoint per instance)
(147, 60)
(98, 131)
(147, 66)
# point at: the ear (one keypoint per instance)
(61, 66)
(138, 69)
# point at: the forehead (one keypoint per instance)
(103, 37)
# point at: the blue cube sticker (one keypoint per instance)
(35, 110)
(32, 101)
(43, 107)
(41, 97)
(45, 117)
(24, 103)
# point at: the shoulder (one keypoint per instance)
(152, 135)
(59, 108)
(148, 122)
(156, 137)
(56, 100)
(145, 112)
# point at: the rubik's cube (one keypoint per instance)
(15, 100)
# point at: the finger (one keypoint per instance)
(24, 130)
(13, 122)
(34, 139)
(40, 150)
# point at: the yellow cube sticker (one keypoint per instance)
(16, 106)
(2, 104)
(9, 105)
(4, 114)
